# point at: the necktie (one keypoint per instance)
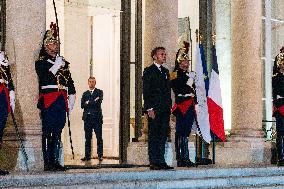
(163, 73)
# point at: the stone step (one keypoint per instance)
(143, 178)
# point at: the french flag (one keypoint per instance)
(201, 106)
(214, 100)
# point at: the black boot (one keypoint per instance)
(280, 149)
(3, 172)
(47, 152)
(180, 162)
(183, 150)
(177, 147)
(56, 149)
(185, 153)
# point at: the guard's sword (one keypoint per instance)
(20, 139)
(70, 138)
(68, 117)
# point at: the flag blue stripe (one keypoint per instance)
(214, 60)
(204, 65)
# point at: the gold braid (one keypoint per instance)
(3, 72)
(61, 73)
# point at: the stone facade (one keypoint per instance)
(26, 24)
(25, 27)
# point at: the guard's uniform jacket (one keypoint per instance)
(185, 98)
(278, 89)
(52, 86)
(53, 94)
(184, 89)
(7, 95)
(6, 83)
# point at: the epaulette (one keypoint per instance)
(173, 75)
(40, 58)
(275, 75)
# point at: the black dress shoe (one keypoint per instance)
(280, 162)
(181, 163)
(189, 163)
(3, 172)
(100, 158)
(165, 166)
(48, 168)
(86, 159)
(155, 167)
(58, 167)
(204, 161)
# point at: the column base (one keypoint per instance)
(244, 149)
(12, 157)
(137, 153)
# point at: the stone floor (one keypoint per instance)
(211, 176)
(103, 168)
(93, 161)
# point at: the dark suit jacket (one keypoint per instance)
(93, 108)
(157, 89)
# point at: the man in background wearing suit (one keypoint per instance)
(93, 119)
(157, 104)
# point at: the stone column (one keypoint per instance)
(224, 49)
(161, 29)
(25, 30)
(246, 144)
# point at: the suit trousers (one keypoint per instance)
(3, 113)
(158, 130)
(90, 124)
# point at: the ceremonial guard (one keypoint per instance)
(278, 102)
(56, 97)
(7, 95)
(183, 85)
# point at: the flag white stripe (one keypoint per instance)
(214, 89)
(201, 108)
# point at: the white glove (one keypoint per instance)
(190, 82)
(191, 74)
(3, 59)
(191, 78)
(12, 100)
(71, 102)
(59, 62)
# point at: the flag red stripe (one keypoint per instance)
(216, 119)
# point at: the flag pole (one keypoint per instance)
(190, 41)
(213, 145)
(213, 150)
(196, 151)
(198, 41)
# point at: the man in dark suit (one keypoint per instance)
(93, 119)
(157, 104)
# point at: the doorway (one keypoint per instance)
(90, 41)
